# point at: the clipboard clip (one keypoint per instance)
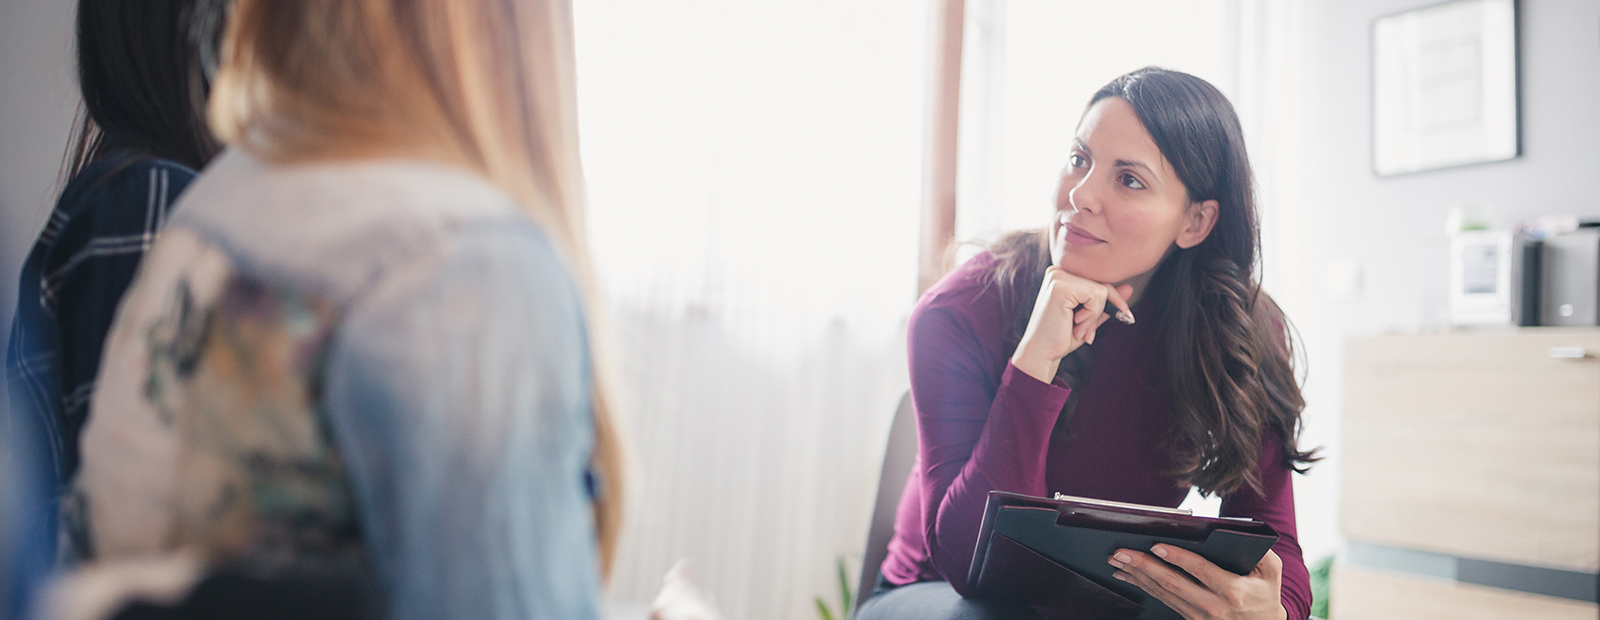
(1105, 503)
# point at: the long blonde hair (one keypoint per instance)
(485, 85)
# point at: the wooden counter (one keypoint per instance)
(1480, 446)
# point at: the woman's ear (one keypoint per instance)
(1201, 218)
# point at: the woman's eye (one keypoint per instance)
(1077, 161)
(1131, 182)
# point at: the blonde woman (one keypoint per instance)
(362, 345)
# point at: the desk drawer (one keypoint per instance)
(1475, 445)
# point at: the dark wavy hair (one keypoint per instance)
(144, 69)
(1229, 347)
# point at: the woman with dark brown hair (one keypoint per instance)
(1190, 386)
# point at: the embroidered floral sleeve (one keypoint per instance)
(310, 373)
(229, 394)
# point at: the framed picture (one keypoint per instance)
(1444, 87)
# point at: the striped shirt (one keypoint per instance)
(85, 259)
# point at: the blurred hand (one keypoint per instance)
(679, 599)
(1066, 314)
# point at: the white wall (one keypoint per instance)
(38, 94)
(1393, 227)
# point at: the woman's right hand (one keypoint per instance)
(1065, 316)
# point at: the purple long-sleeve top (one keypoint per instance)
(984, 425)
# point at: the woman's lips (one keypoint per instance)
(1077, 236)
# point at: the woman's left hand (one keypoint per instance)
(1219, 594)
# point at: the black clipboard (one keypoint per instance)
(1052, 552)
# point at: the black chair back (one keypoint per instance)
(898, 458)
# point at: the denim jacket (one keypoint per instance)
(354, 366)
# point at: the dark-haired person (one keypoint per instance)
(142, 134)
(1190, 384)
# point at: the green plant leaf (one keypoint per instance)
(844, 587)
(822, 608)
(1321, 579)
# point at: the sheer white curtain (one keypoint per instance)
(754, 174)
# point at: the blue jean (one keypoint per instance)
(936, 600)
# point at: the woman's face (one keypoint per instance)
(1120, 206)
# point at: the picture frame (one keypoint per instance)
(1445, 87)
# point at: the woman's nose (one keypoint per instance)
(1082, 198)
